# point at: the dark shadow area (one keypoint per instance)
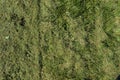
(14, 17)
(22, 21)
(118, 77)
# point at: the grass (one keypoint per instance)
(59, 40)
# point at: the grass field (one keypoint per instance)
(59, 39)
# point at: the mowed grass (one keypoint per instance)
(59, 39)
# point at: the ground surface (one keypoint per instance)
(59, 39)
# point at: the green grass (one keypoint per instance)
(59, 39)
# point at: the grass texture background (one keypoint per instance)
(59, 39)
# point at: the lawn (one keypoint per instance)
(59, 39)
